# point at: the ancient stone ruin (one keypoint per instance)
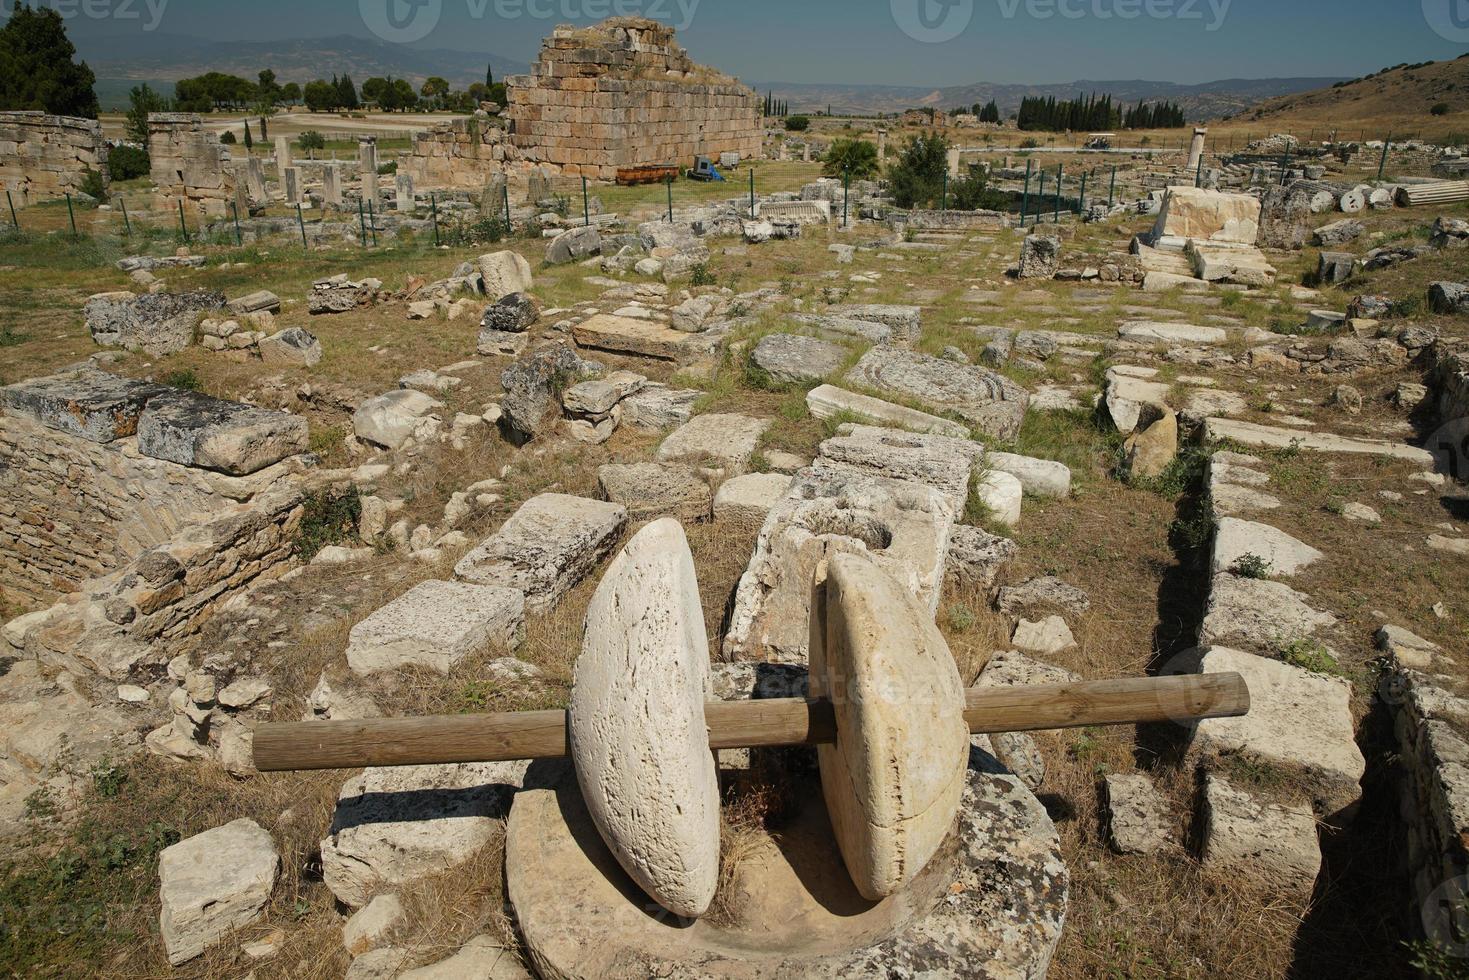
(619, 94)
(189, 163)
(43, 156)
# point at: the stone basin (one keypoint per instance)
(990, 904)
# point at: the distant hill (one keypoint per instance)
(167, 57)
(1402, 96)
(1209, 100)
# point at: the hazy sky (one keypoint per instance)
(865, 41)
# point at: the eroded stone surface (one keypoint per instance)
(436, 625)
(395, 826)
(546, 547)
(893, 779)
(1138, 821)
(986, 400)
(725, 441)
(794, 359)
(1269, 842)
(214, 882)
(750, 497)
(637, 731)
(1235, 539)
(1255, 614)
(191, 429)
(828, 401)
(656, 489)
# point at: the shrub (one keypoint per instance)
(1251, 565)
(184, 378)
(856, 159)
(917, 179)
(93, 186)
(485, 231)
(702, 276)
(797, 124)
(328, 520)
(1440, 109)
(311, 140)
(391, 167)
(227, 137)
(127, 162)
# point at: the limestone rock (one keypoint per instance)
(391, 418)
(944, 463)
(291, 346)
(1040, 595)
(828, 401)
(158, 324)
(1448, 298)
(637, 730)
(1040, 257)
(1258, 615)
(371, 925)
(1284, 555)
(1152, 331)
(1270, 842)
(504, 273)
(976, 557)
(894, 778)
(639, 337)
(212, 883)
(532, 405)
(1002, 494)
(394, 826)
(1195, 213)
(436, 625)
(1338, 233)
(262, 300)
(1126, 397)
(749, 497)
(983, 398)
(1299, 722)
(482, 958)
(794, 359)
(1137, 816)
(191, 429)
(546, 547)
(573, 245)
(726, 441)
(511, 313)
(1153, 444)
(655, 406)
(656, 489)
(87, 403)
(1047, 637)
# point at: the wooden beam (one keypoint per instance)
(736, 724)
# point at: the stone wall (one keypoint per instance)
(189, 163)
(82, 494)
(45, 156)
(621, 94)
(463, 153)
(1433, 756)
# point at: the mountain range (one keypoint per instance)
(160, 59)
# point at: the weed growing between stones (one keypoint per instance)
(328, 519)
(1251, 565)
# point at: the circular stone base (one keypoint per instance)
(990, 904)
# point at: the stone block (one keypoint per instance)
(212, 883)
(191, 429)
(436, 625)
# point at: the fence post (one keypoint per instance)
(300, 220)
(752, 191)
(1040, 198)
(127, 225)
(846, 193)
(1060, 178)
(235, 212)
(1081, 201)
(586, 210)
(73, 215)
(13, 219)
(1112, 189)
(372, 219)
(184, 228)
(669, 182)
(362, 224)
(944, 204)
(1382, 166)
(433, 206)
(505, 196)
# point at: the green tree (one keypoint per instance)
(347, 93)
(249, 143)
(36, 66)
(404, 98)
(797, 124)
(142, 100)
(291, 93)
(916, 178)
(311, 140)
(320, 96)
(269, 91)
(126, 162)
(434, 89)
(372, 90)
(855, 158)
